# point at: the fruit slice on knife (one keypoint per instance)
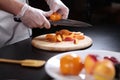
(55, 16)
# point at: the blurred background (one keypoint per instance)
(95, 12)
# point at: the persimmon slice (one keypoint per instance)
(71, 64)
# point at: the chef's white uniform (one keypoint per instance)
(11, 31)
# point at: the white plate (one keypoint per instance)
(52, 65)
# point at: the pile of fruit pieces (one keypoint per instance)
(71, 64)
(65, 35)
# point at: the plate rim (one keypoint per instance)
(62, 53)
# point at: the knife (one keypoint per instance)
(69, 22)
(65, 22)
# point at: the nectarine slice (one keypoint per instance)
(104, 70)
(89, 63)
(51, 37)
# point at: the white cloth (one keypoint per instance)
(11, 31)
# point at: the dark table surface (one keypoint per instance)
(105, 37)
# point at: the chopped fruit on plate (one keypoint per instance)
(71, 64)
(116, 64)
(65, 35)
(90, 63)
(104, 70)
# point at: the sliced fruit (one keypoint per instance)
(76, 41)
(68, 39)
(59, 38)
(70, 64)
(51, 37)
(104, 70)
(55, 16)
(90, 63)
(64, 32)
(79, 37)
(65, 35)
(71, 35)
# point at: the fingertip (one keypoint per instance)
(66, 13)
(47, 25)
(65, 16)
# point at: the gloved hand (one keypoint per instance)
(58, 6)
(34, 18)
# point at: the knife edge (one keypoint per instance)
(69, 22)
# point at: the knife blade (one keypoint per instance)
(69, 22)
(65, 22)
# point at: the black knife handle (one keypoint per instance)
(17, 19)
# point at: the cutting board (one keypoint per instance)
(41, 43)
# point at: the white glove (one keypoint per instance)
(34, 18)
(58, 6)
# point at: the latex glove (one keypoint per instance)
(34, 18)
(58, 6)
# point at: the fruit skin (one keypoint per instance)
(104, 70)
(70, 64)
(76, 41)
(113, 59)
(90, 63)
(68, 39)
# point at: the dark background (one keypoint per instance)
(95, 12)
